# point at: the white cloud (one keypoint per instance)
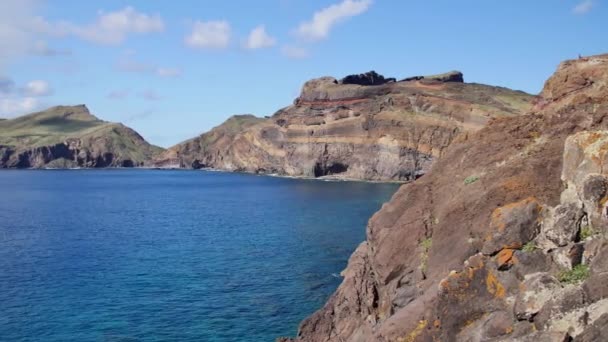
(168, 72)
(294, 52)
(583, 7)
(12, 107)
(14, 36)
(320, 25)
(258, 38)
(37, 88)
(15, 101)
(209, 35)
(111, 28)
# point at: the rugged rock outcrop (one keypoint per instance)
(384, 131)
(69, 136)
(505, 239)
(452, 76)
(367, 79)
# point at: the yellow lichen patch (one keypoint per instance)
(411, 337)
(494, 286)
(603, 202)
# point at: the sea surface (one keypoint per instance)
(151, 255)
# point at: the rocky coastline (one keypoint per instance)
(505, 239)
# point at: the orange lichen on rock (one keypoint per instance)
(494, 286)
(505, 258)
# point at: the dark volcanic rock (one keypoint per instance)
(369, 78)
(452, 76)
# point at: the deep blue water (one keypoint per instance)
(144, 255)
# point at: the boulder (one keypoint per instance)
(512, 226)
(562, 224)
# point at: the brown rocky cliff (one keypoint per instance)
(362, 127)
(504, 239)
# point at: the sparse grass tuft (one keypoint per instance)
(471, 180)
(424, 256)
(426, 243)
(574, 276)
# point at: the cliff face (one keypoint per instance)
(69, 136)
(504, 239)
(362, 127)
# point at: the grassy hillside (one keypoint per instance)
(76, 125)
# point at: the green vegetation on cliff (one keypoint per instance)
(70, 136)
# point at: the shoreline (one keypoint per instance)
(276, 175)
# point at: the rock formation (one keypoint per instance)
(69, 136)
(505, 239)
(452, 76)
(363, 127)
(366, 79)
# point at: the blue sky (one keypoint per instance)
(174, 69)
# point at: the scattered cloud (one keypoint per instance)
(128, 64)
(150, 95)
(323, 21)
(37, 88)
(258, 38)
(15, 101)
(118, 94)
(168, 72)
(294, 52)
(15, 106)
(23, 30)
(15, 38)
(209, 35)
(583, 7)
(110, 28)
(41, 48)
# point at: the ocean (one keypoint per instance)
(172, 255)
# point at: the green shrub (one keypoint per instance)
(577, 274)
(471, 180)
(586, 231)
(529, 247)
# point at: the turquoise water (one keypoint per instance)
(144, 255)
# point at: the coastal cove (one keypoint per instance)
(135, 254)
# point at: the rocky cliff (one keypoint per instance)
(69, 136)
(503, 240)
(362, 127)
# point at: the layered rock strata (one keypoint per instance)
(505, 239)
(362, 127)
